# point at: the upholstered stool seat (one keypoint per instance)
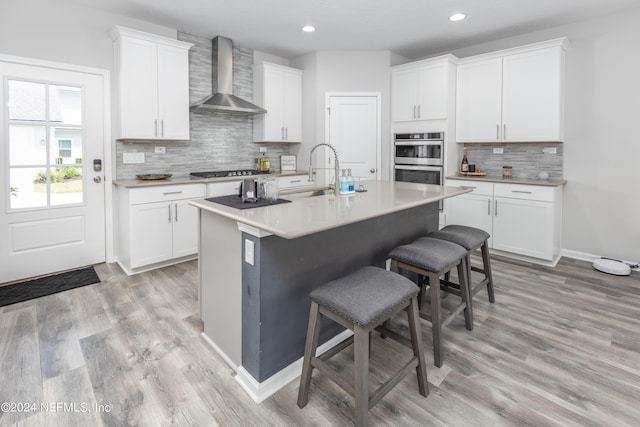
(431, 258)
(471, 239)
(362, 301)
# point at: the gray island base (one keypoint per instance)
(258, 266)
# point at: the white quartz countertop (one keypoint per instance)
(500, 179)
(140, 183)
(309, 215)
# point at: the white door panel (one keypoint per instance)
(52, 211)
(354, 132)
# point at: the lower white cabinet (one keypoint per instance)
(294, 181)
(157, 225)
(521, 219)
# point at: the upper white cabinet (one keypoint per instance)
(152, 85)
(515, 95)
(278, 89)
(420, 90)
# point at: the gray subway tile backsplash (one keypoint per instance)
(527, 160)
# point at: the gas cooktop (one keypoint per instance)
(237, 172)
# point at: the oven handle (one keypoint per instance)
(413, 143)
(419, 168)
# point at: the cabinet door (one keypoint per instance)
(151, 233)
(532, 96)
(138, 85)
(471, 210)
(173, 93)
(479, 101)
(292, 105)
(404, 85)
(523, 227)
(185, 229)
(274, 104)
(432, 92)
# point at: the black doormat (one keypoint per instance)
(43, 286)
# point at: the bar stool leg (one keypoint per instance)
(313, 332)
(418, 346)
(465, 291)
(436, 323)
(487, 271)
(361, 362)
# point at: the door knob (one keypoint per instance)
(372, 170)
(97, 179)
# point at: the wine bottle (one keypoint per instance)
(464, 166)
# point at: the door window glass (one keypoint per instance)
(45, 144)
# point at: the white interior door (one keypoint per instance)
(354, 130)
(52, 214)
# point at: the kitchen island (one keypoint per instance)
(258, 266)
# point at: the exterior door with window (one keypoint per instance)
(52, 215)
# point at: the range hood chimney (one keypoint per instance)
(223, 100)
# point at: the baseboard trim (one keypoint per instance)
(584, 256)
(261, 391)
(218, 350)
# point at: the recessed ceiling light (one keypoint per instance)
(308, 28)
(457, 17)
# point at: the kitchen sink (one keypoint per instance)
(304, 193)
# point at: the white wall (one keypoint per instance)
(342, 71)
(55, 31)
(602, 128)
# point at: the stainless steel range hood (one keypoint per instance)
(223, 100)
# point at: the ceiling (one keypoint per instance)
(411, 28)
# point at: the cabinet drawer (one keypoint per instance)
(163, 193)
(525, 192)
(293, 181)
(223, 188)
(480, 188)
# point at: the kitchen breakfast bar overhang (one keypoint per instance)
(258, 266)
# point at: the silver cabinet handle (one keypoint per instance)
(162, 128)
(418, 110)
(521, 191)
(295, 180)
(176, 212)
(286, 133)
(171, 192)
(282, 130)
(414, 111)
(504, 132)
(489, 207)
(169, 206)
(155, 125)
(495, 208)
(498, 132)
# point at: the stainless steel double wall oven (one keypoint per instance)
(419, 157)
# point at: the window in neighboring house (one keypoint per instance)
(64, 148)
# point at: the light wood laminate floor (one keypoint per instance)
(561, 346)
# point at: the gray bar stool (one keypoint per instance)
(362, 301)
(432, 258)
(471, 239)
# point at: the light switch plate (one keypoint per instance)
(132, 157)
(248, 251)
(498, 150)
(550, 150)
(161, 150)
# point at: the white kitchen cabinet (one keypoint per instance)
(157, 226)
(225, 188)
(516, 95)
(152, 75)
(286, 182)
(521, 219)
(420, 90)
(278, 89)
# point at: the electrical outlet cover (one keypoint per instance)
(498, 150)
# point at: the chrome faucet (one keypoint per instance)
(337, 165)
